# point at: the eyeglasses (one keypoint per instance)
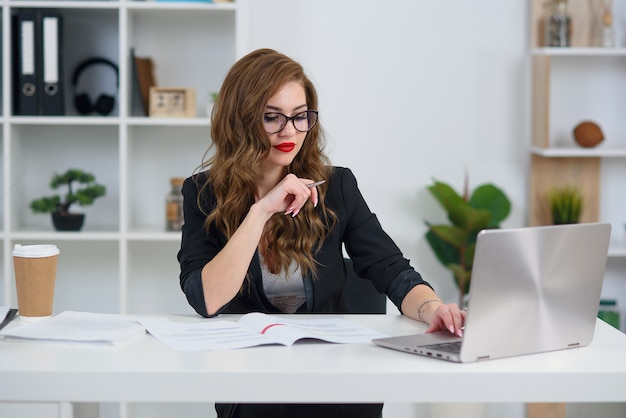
(303, 122)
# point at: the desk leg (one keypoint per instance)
(545, 410)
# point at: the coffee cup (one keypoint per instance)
(35, 276)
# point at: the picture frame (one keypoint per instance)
(172, 102)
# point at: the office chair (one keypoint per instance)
(360, 294)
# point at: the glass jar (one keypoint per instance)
(558, 29)
(174, 205)
(608, 312)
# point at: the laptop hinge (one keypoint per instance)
(481, 358)
(573, 345)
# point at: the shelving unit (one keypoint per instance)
(570, 85)
(123, 261)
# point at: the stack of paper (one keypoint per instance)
(79, 327)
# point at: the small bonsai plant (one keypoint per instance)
(59, 206)
(454, 244)
(566, 204)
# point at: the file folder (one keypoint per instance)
(25, 63)
(51, 81)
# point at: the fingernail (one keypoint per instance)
(315, 203)
(451, 328)
(295, 212)
(460, 333)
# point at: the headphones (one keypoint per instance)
(104, 103)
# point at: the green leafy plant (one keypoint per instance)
(82, 196)
(566, 204)
(454, 244)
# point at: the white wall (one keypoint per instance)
(412, 90)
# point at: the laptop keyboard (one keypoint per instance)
(451, 347)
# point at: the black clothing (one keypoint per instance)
(374, 254)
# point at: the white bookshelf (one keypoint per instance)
(570, 85)
(123, 261)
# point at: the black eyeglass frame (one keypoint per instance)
(293, 120)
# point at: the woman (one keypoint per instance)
(260, 236)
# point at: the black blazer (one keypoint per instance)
(373, 252)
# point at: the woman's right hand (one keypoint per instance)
(289, 196)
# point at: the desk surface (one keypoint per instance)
(146, 370)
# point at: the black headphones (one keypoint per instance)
(104, 103)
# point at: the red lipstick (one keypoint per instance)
(285, 147)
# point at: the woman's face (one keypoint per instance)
(290, 101)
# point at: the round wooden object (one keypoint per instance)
(588, 134)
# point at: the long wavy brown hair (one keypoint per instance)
(240, 144)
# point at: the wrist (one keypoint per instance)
(425, 306)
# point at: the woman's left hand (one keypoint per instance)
(447, 318)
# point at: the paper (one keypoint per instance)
(4, 311)
(6, 315)
(255, 329)
(79, 327)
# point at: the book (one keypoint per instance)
(143, 78)
(79, 327)
(255, 329)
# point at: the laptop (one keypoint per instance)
(533, 289)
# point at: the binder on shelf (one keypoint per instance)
(51, 77)
(25, 63)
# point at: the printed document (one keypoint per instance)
(79, 327)
(255, 329)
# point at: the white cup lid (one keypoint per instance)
(35, 251)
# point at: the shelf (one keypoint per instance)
(579, 152)
(579, 52)
(153, 236)
(148, 121)
(85, 235)
(64, 120)
(617, 251)
(66, 4)
(179, 5)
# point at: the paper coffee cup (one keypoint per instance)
(35, 276)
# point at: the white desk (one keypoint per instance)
(148, 371)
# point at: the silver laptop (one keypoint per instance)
(533, 289)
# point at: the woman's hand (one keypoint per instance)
(447, 318)
(289, 196)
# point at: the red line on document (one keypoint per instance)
(269, 326)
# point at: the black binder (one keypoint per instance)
(51, 74)
(25, 63)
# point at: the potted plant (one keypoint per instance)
(566, 204)
(454, 244)
(59, 207)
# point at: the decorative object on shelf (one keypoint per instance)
(609, 312)
(62, 218)
(558, 28)
(210, 103)
(566, 204)
(454, 244)
(172, 102)
(174, 205)
(104, 103)
(588, 134)
(608, 34)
